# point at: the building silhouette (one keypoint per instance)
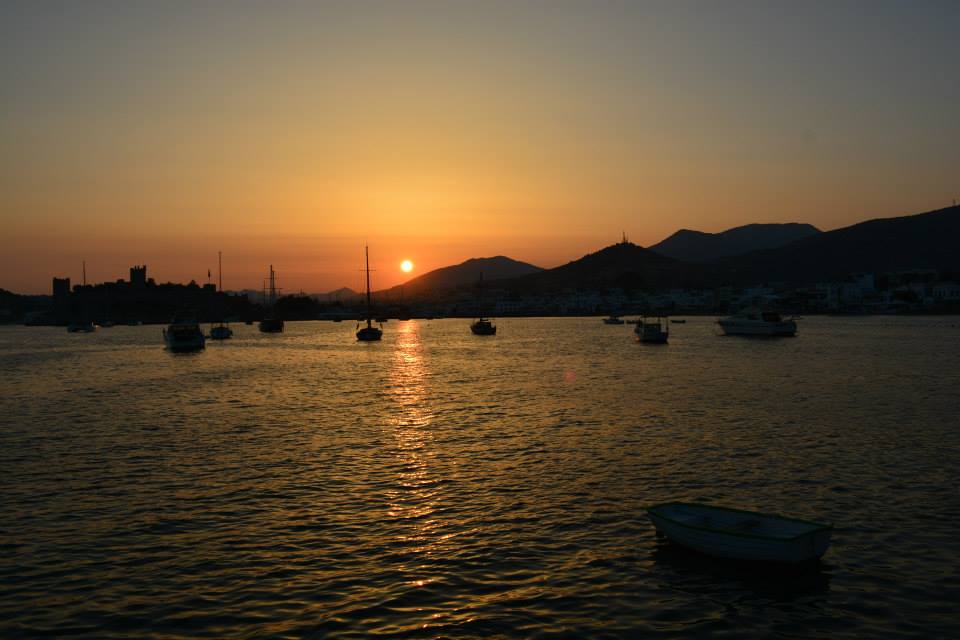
(138, 275)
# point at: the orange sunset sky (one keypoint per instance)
(292, 133)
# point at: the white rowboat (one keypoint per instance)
(740, 535)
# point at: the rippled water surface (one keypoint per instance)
(441, 484)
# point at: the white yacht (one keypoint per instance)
(753, 322)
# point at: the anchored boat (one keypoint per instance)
(652, 329)
(184, 334)
(369, 333)
(272, 324)
(222, 331)
(740, 535)
(482, 326)
(753, 322)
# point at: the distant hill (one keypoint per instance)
(925, 240)
(697, 246)
(623, 265)
(467, 273)
(343, 293)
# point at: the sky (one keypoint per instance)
(292, 133)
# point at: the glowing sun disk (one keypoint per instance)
(406, 266)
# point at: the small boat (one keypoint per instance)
(652, 329)
(678, 321)
(482, 326)
(740, 535)
(184, 334)
(753, 322)
(222, 331)
(369, 333)
(613, 319)
(271, 324)
(82, 327)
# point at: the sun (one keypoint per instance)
(406, 266)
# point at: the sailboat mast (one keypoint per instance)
(220, 270)
(273, 289)
(366, 251)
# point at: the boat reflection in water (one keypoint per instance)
(712, 577)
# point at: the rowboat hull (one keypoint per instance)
(720, 532)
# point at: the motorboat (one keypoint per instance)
(740, 535)
(753, 322)
(369, 333)
(613, 319)
(483, 327)
(184, 334)
(652, 329)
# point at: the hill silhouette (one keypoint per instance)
(623, 265)
(466, 274)
(697, 246)
(925, 240)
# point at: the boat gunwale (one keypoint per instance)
(818, 526)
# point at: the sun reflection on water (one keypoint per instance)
(413, 497)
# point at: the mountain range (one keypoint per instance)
(697, 246)
(753, 254)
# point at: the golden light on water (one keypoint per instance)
(406, 266)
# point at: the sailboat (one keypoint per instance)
(482, 326)
(84, 324)
(222, 331)
(369, 333)
(272, 324)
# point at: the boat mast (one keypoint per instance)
(220, 270)
(366, 251)
(273, 289)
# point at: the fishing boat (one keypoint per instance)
(369, 333)
(271, 323)
(482, 326)
(652, 329)
(184, 334)
(222, 331)
(740, 535)
(754, 322)
(613, 319)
